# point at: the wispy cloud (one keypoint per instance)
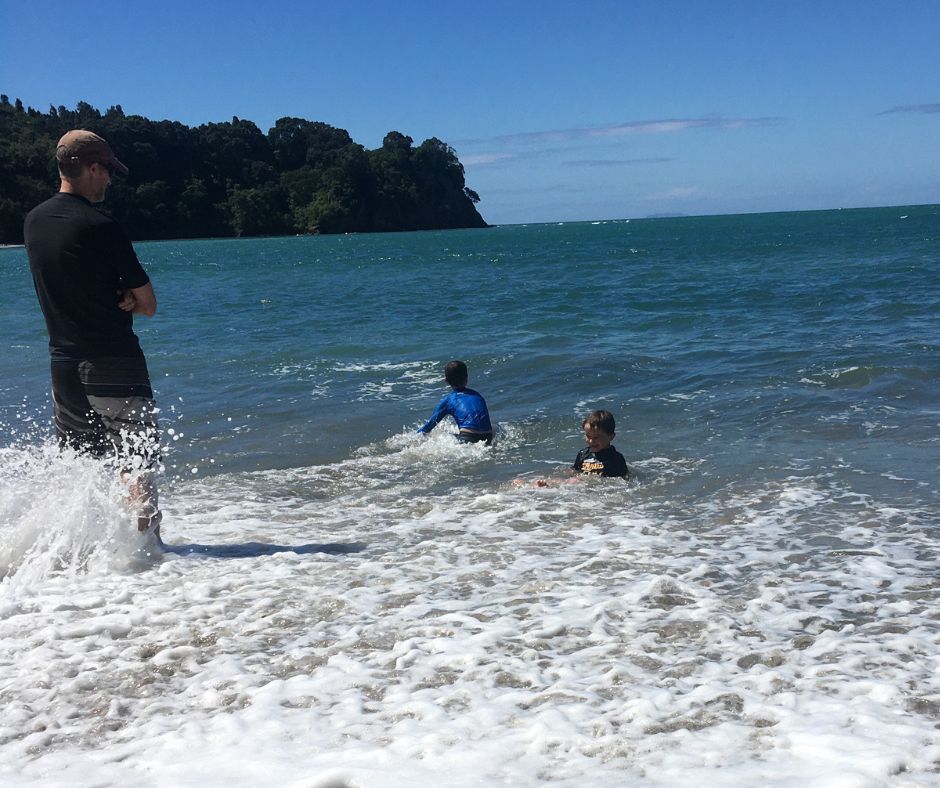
(483, 159)
(680, 192)
(505, 156)
(617, 162)
(532, 144)
(664, 126)
(920, 109)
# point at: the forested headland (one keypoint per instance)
(230, 179)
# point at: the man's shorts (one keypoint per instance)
(105, 407)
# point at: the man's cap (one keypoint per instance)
(87, 147)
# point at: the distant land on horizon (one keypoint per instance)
(903, 206)
(795, 210)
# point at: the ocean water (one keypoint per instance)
(344, 603)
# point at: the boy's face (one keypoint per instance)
(597, 439)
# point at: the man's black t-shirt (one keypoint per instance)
(79, 259)
(606, 462)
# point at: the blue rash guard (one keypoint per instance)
(468, 409)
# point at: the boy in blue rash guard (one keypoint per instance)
(466, 406)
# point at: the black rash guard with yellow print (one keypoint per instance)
(606, 462)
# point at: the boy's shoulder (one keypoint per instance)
(619, 461)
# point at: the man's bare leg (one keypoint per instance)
(144, 499)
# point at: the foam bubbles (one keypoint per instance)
(62, 513)
(402, 616)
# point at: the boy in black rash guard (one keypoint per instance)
(600, 457)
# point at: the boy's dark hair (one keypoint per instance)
(455, 373)
(600, 420)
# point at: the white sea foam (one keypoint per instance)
(61, 513)
(388, 620)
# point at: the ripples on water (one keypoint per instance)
(345, 603)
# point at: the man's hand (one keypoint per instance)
(138, 300)
(128, 302)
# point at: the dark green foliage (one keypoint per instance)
(230, 179)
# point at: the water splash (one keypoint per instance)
(63, 513)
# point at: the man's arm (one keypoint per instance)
(139, 300)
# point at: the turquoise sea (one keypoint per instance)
(346, 603)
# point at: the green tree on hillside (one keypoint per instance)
(230, 179)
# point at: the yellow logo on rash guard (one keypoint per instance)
(592, 466)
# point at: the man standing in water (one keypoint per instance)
(90, 284)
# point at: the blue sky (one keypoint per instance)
(559, 111)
